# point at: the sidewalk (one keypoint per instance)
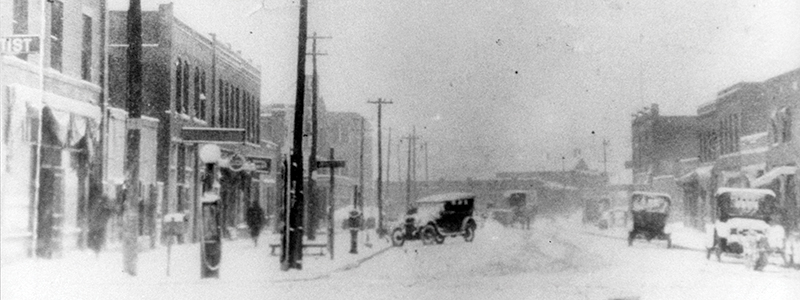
(242, 262)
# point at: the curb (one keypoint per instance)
(346, 267)
(674, 246)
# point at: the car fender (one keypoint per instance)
(465, 223)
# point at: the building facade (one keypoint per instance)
(191, 80)
(51, 113)
(745, 137)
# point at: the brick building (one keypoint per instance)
(51, 100)
(191, 80)
(745, 137)
(660, 145)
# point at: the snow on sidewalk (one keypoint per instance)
(242, 262)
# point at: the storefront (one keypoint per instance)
(53, 138)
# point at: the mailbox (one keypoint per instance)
(175, 224)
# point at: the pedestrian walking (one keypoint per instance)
(255, 220)
(100, 212)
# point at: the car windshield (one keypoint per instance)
(649, 203)
(745, 205)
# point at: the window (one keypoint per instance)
(178, 86)
(786, 123)
(196, 103)
(86, 49)
(219, 101)
(203, 96)
(186, 70)
(56, 34)
(237, 109)
(20, 21)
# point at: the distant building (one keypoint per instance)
(51, 101)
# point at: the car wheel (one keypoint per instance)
(761, 262)
(428, 235)
(469, 233)
(631, 235)
(398, 237)
(439, 239)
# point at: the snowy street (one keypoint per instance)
(555, 260)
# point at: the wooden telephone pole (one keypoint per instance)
(380, 104)
(134, 136)
(312, 220)
(293, 248)
(412, 142)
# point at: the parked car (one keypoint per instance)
(650, 212)
(436, 217)
(742, 226)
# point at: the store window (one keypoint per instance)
(86, 49)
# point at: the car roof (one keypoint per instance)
(446, 197)
(653, 194)
(510, 192)
(744, 191)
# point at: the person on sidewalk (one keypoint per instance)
(100, 212)
(255, 220)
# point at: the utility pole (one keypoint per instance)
(389, 164)
(380, 104)
(134, 135)
(426, 165)
(312, 219)
(411, 142)
(294, 247)
(605, 158)
(360, 193)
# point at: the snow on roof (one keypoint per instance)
(773, 174)
(446, 197)
(754, 193)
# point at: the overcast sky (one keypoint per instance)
(497, 85)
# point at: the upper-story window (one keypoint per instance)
(86, 49)
(20, 20)
(782, 125)
(178, 86)
(56, 34)
(186, 71)
(220, 101)
(196, 87)
(203, 97)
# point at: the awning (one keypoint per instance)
(773, 174)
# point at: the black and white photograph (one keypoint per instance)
(399, 149)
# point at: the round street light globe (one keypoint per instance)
(209, 153)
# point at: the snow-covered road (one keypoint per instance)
(556, 260)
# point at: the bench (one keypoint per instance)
(321, 248)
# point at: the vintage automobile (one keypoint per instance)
(617, 217)
(650, 212)
(742, 226)
(435, 217)
(523, 206)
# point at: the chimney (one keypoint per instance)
(654, 109)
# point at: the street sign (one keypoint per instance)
(213, 135)
(19, 44)
(262, 164)
(330, 164)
